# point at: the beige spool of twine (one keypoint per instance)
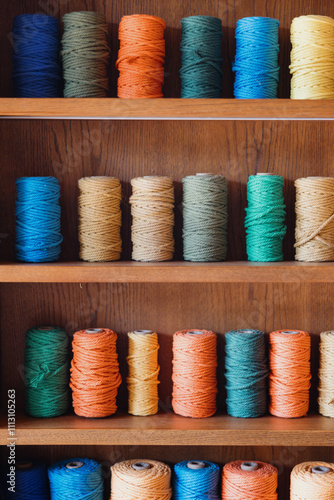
(326, 374)
(314, 219)
(152, 209)
(143, 372)
(100, 219)
(312, 481)
(140, 480)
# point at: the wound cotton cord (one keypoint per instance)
(196, 479)
(95, 376)
(30, 483)
(152, 210)
(246, 373)
(201, 49)
(85, 54)
(312, 57)
(289, 379)
(265, 218)
(194, 373)
(100, 219)
(326, 374)
(204, 218)
(141, 57)
(140, 480)
(143, 372)
(259, 484)
(314, 219)
(308, 484)
(46, 372)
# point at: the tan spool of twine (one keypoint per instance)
(312, 481)
(143, 372)
(140, 480)
(152, 209)
(314, 219)
(100, 219)
(326, 374)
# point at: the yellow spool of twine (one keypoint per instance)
(326, 374)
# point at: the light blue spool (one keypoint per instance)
(196, 479)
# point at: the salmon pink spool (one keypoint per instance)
(249, 481)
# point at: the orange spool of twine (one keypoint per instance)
(244, 480)
(194, 373)
(95, 376)
(290, 375)
(141, 57)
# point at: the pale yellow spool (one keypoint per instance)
(312, 57)
(143, 372)
(326, 374)
(307, 485)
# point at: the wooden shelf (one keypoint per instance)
(167, 109)
(172, 430)
(167, 272)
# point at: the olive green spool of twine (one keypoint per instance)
(85, 54)
(46, 372)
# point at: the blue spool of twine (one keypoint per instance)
(256, 61)
(37, 213)
(76, 478)
(201, 50)
(36, 67)
(196, 480)
(246, 373)
(31, 482)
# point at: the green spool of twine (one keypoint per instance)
(204, 218)
(265, 218)
(46, 372)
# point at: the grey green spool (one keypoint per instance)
(204, 218)
(46, 372)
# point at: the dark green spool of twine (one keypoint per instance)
(46, 372)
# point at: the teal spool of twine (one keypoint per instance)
(201, 50)
(46, 372)
(265, 218)
(204, 218)
(246, 373)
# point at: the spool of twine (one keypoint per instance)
(36, 68)
(289, 379)
(38, 236)
(95, 376)
(141, 57)
(152, 210)
(100, 219)
(256, 61)
(312, 57)
(201, 49)
(312, 481)
(31, 481)
(246, 373)
(85, 54)
(204, 218)
(326, 374)
(76, 478)
(249, 480)
(314, 219)
(194, 373)
(46, 372)
(265, 218)
(140, 479)
(196, 479)
(143, 372)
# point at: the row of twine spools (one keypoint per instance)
(205, 218)
(95, 377)
(153, 480)
(85, 56)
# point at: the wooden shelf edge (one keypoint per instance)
(167, 109)
(167, 272)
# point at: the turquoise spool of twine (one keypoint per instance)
(204, 218)
(265, 218)
(246, 373)
(46, 372)
(201, 51)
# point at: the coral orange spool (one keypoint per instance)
(141, 57)
(249, 481)
(290, 375)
